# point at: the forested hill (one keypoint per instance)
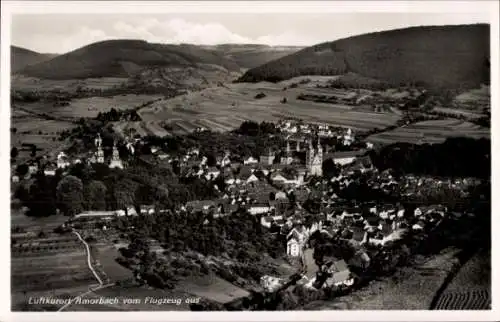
(123, 58)
(435, 56)
(21, 57)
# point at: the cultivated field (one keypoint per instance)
(45, 265)
(224, 108)
(88, 107)
(482, 94)
(471, 287)
(434, 131)
(19, 82)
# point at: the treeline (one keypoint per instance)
(456, 157)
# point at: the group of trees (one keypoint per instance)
(239, 236)
(251, 128)
(96, 187)
(456, 157)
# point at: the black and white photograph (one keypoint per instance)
(228, 157)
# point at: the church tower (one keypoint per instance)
(287, 158)
(320, 149)
(309, 154)
(116, 162)
(267, 159)
(100, 152)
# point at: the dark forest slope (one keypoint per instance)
(123, 58)
(21, 57)
(253, 55)
(437, 56)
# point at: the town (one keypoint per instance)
(314, 182)
(176, 162)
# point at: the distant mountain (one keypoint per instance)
(253, 55)
(124, 58)
(435, 56)
(21, 57)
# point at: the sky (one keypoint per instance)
(61, 33)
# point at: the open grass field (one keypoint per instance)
(18, 219)
(224, 108)
(105, 256)
(213, 288)
(434, 131)
(411, 288)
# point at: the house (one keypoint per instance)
(257, 209)
(252, 178)
(33, 168)
(267, 221)
(212, 173)
(130, 212)
(267, 159)
(293, 247)
(270, 283)
(279, 177)
(200, 205)
(359, 235)
(62, 160)
(96, 214)
(147, 209)
(340, 274)
(224, 161)
(281, 195)
(420, 225)
(250, 160)
(343, 158)
(50, 170)
(371, 222)
(296, 238)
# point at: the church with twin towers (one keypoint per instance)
(314, 156)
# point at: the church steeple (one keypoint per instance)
(116, 162)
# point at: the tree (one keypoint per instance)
(33, 151)
(69, 195)
(22, 169)
(14, 153)
(94, 194)
(41, 201)
(330, 169)
(124, 193)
